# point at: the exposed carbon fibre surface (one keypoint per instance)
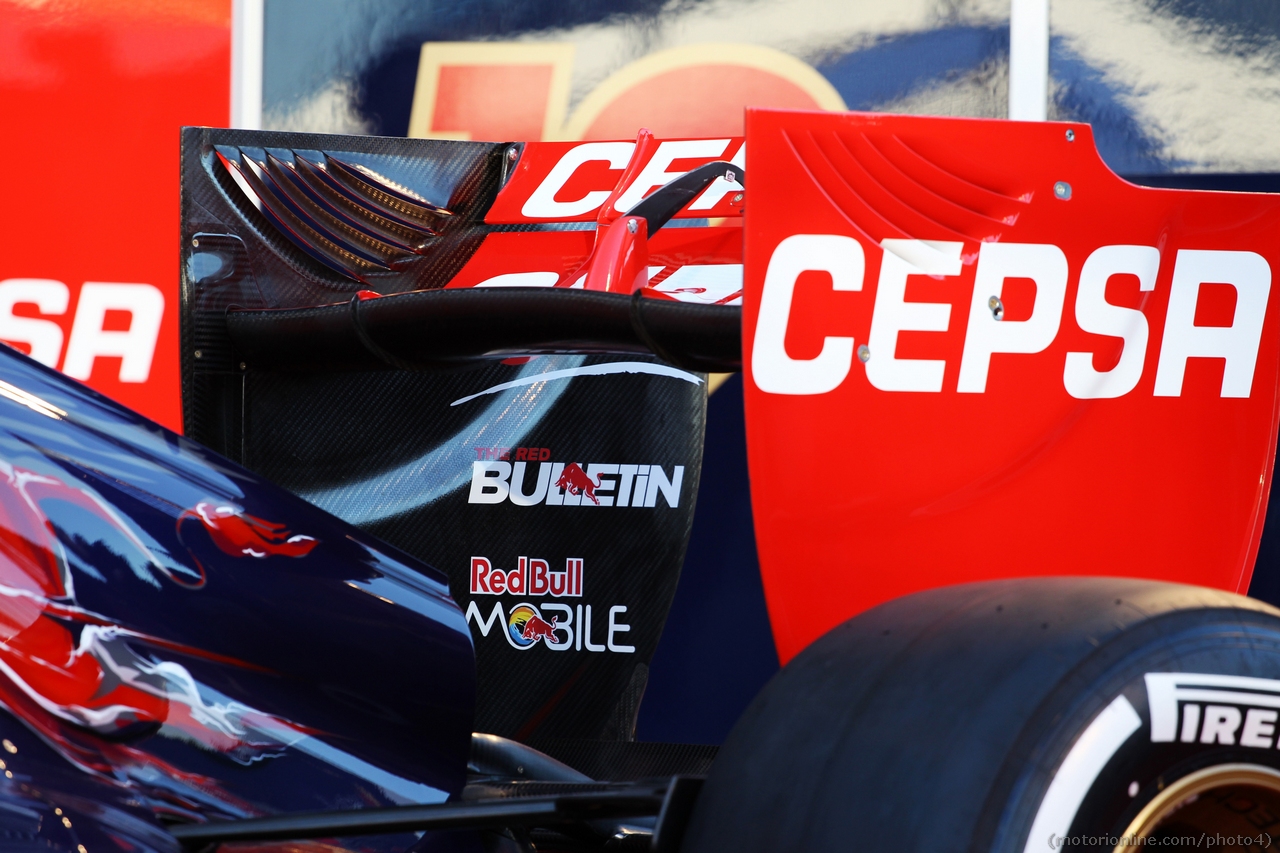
(387, 451)
(277, 271)
(563, 659)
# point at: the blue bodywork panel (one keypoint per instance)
(181, 640)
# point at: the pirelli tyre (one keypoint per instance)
(1017, 717)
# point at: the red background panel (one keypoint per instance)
(493, 101)
(94, 95)
(697, 100)
(861, 495)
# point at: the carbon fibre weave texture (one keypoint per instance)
(269, 270)
(355, 442)
(393, 451)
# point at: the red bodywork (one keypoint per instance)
(596, 182)
(1064, 374)
(971, 350)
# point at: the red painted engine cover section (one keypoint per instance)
(972, 351)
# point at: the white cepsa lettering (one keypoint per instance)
(986, 333)
(90, 338)
(544, 204)
(560, 484)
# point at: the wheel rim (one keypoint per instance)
(1213, 800)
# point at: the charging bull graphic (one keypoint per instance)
(85, 683)
(526, 626)
(238, 534)
(538, 628)
(576, 482)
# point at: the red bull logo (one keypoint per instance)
(537, 628)
(530, 577)
(576, 482)
(526, 626)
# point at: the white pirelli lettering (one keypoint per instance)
(1216, 709)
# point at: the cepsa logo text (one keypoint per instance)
(110, 320)
(572, 484)
(987, 331)
(588, 195)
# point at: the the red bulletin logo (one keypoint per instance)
(574, 484)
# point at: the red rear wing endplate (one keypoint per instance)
(973, 352)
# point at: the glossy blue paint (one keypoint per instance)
(715, 654)
(180, 638)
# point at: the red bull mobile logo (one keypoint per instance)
(557, 626)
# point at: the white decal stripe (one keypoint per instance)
(522, 279)
(592, 370)
(447, 466)
(1091, 752)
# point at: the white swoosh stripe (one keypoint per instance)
(1091, 752)
(592, 370)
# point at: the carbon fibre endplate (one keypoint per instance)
(556, 492)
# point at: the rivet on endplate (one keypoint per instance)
(864, 353)
(512, 153)
(242, 365)
(1071, 135)
(195, 241)
(1062, 190)
(199, 354)
(997, 307)
(631, 226)
(737, 198)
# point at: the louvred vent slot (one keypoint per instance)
(345, 216)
